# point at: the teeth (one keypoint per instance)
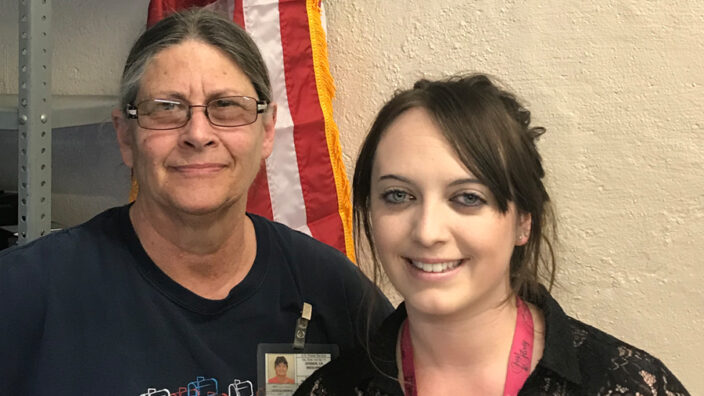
(435, 267)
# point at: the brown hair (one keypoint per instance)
(280, 360)
(490, 132)
(194, 24)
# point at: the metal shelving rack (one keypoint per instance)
(34, 112)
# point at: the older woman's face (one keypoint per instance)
(198, 168)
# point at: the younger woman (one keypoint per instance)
(448, 192)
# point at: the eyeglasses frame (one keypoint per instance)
(131, 111)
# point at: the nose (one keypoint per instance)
(431, 225)
(198, 133)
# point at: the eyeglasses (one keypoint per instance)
(230, 111)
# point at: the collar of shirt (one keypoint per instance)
(560, 354)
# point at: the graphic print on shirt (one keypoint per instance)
(205, 387)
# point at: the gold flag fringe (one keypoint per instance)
(326, 91)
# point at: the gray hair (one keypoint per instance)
(198, 24)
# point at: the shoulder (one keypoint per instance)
(610, 364)
(597, 362)
(62, 244)
(63, 258)
(48, 273)
(300, 250)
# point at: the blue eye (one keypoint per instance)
(396, 196)
(468, 199)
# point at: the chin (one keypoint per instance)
(199, 207)
(435, 304)
(198, 210)
(201, 201)
(447, 304)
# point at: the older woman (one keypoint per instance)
(176, 290)
(448, 192)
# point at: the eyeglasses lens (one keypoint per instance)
(170, 114)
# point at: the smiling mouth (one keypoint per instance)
(199, 168)
(444, 266)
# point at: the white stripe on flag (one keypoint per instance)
(225, 7)
(323, 19)
(261, 19)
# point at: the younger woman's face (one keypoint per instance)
(438, 230)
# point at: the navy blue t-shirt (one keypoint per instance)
(86, 311)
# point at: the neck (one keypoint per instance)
(467, 341)
(208, 254)
(469, 350)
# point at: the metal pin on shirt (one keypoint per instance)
(299, 337)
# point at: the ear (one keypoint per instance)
(124, 137)
(269, 126)
(523, 227)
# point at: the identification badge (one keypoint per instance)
(281, 368)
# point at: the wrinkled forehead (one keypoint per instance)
(193, 67)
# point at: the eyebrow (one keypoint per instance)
(167, 95)
(468, 180)
(457, 182)
(394, 177)
(224, 93)
(212, 96)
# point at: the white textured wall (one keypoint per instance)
(618, 84)
(91, 39)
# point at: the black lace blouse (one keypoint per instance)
(578, 359)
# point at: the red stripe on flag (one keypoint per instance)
(159, 9)
(316, 175)
(238, 16)
(258, 199)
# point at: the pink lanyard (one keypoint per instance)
(518, 362)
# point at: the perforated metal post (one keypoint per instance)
(34, 112)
